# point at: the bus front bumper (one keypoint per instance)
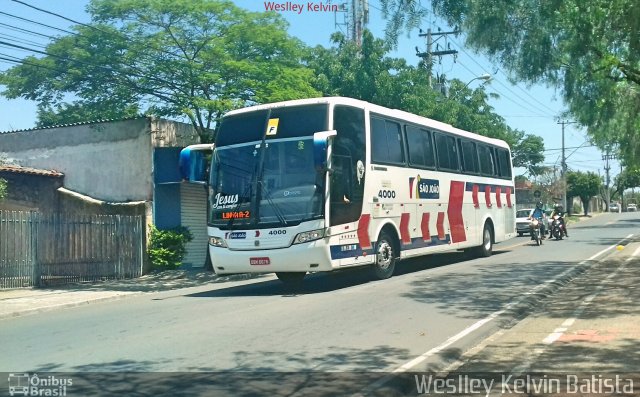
(306, 257)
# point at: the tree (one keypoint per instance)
(583, 185)
(3, 188)
(367, 73)
(529, 153)
(590, 50)
(550, 185)
(628, 178)
(174, 58)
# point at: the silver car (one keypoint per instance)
(522, 221)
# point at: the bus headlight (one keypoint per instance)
(217, 242)
(305, 237)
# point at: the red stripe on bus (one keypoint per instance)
(363, 231)
(498, 198)
(454, 212)
(424, 226)
(509, 197)
(440, 226)
(487, 195)
(476, 203)
(404, 228)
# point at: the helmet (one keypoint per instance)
(558, 207)
(539, 205)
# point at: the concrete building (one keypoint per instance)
(117, 162)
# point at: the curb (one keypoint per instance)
(26, 312)
(116, 295)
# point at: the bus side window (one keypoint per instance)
(469, 156)
(446, 149)
(487, 160)
(386, 142)
(504, 163)
(420, 148)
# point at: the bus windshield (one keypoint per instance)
(270, 182)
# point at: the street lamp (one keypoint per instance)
(486, 77)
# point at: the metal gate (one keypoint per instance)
(50, 249)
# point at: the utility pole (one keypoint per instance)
(563, 170)
(429, 54)
(359, 18)
(607, 195)
(343, 9)
(622, 190)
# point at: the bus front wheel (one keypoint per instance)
(385, 257)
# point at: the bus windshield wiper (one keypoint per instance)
(276, 207)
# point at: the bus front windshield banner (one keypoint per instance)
(284, 191)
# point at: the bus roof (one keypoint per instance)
(395, 113)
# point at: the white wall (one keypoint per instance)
(108, 161)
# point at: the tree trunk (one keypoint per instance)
(585, 204)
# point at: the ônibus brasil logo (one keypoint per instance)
(33, 385)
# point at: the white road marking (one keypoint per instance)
(492, 316)
(555, 335)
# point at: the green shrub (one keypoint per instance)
(167, 247)
(3, 188)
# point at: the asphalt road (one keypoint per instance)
(422, 318)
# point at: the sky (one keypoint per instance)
(534, 110)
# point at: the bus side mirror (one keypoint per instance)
(320, 146)
(193, 162)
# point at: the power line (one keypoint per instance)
(21, 40)
(16, 60)
(500, 93)
(473, 59)
(27, 31)
(572, 147)
(112, 33)
(34, 22)
(59, 16)
(542, 111)
(116, 73)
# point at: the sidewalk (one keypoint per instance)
(592, 325)
(24, 301)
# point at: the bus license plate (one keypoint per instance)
(260, 261)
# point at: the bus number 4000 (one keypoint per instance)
(387, 194)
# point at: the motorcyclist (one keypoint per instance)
(539, 214)
(558, 210)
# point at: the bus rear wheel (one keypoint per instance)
(486, 249)
(385, 263)
(291, 278)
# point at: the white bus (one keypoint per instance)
(328, 183)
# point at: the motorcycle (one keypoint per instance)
(557, 227)
(536, 233)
